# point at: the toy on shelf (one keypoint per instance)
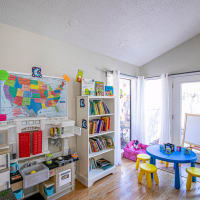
(109, 91)
(56, 131)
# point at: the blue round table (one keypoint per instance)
(176, 158)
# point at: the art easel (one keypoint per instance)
(186, 131)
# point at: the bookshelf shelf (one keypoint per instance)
(101, 97)
(94, 154)
(94, 123)
(95, 173)
(100, 134)
(103, 115)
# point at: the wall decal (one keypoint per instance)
(36, 72)
(82, 103)
(84, 123)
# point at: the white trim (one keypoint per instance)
(26, 74)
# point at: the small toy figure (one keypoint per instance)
(178, 148)
(135, 145)
(168, 150)
(186, 151)
(171, 146)
(162, 148)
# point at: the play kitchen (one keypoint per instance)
(38, 161)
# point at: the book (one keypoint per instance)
(109, 91)
(99, 88)
(103, 163)
(88, 87)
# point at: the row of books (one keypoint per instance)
(99, 125)
(98, 107)
(97, 144)
(100, 163)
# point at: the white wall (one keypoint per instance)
(183, 58)
(20, 50)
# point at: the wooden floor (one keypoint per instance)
(123, 185)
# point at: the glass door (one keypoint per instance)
(125, 111)
(186, 99)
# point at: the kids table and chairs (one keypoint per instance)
(175, 157)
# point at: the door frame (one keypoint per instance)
(133, 86)
(176, 81)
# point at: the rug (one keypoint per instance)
(170, 169)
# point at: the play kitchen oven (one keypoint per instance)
(64, 177)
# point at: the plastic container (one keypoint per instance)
(18, 194)
(49, 191)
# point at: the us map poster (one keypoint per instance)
(25, 96)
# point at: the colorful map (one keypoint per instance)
(22, 95)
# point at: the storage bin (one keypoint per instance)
(49, 191)
(18, 194)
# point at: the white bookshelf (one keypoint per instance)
(84, 175)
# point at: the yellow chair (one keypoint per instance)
(166, 163)
(143, 157)
(147, 169)
(192, 171)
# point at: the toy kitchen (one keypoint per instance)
(37, 157)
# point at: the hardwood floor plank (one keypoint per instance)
(123, 185)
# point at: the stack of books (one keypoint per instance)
(103, 163)
(98, 107)
(100, 143)
(99, 125)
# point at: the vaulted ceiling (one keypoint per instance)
(135, 31)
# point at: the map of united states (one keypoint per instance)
(33, 94)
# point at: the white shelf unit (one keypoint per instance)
(84, 175)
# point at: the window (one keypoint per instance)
(152, 110)
(190, 100)
(125, 111)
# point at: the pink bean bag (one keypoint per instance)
(131, 153)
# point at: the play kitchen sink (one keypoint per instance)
(34, 175)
